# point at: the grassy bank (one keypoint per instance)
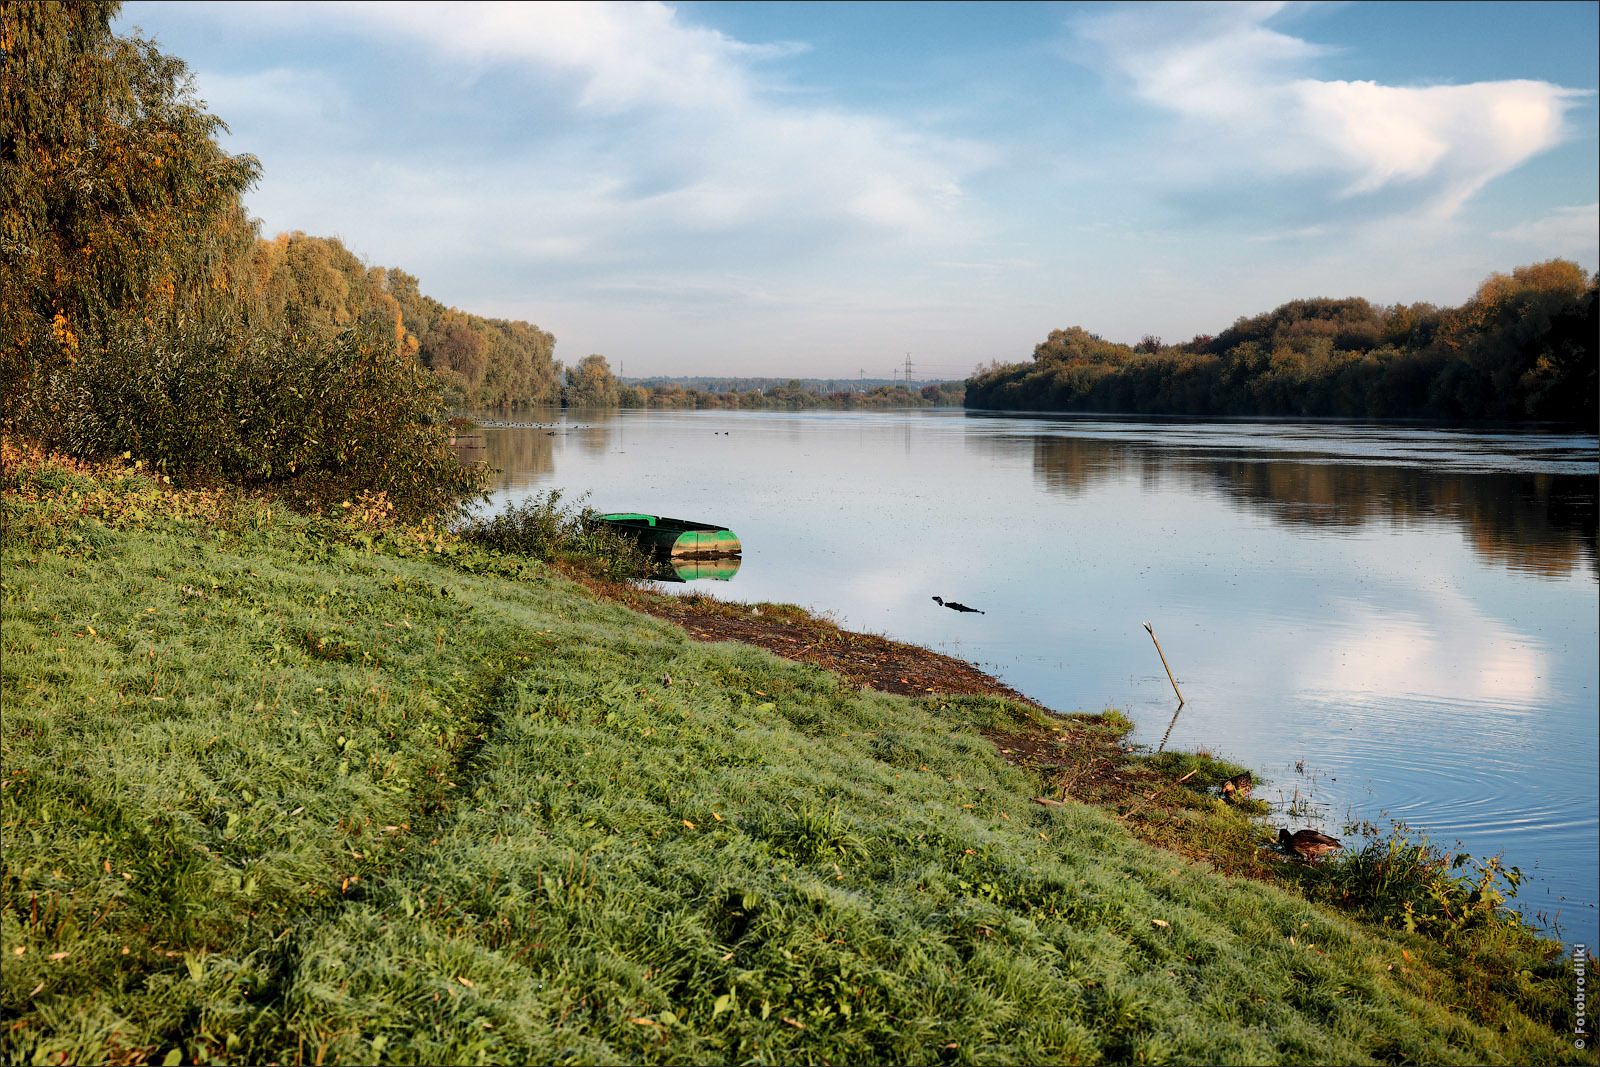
(283, 790)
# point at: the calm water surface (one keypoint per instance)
(1389, 623)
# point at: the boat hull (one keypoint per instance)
(678, 538)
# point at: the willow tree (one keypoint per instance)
(117, 199)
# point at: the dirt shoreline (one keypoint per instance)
(868, 660)
(1080, 757)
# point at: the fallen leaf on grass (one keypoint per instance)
(643, 1022)
(58, 955)
(791, 1022)
(1161, 923)
(1048, 802)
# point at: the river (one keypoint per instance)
(1387, 622)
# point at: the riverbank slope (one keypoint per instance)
(290, 790)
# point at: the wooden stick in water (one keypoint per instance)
(1178, 711)
(1163, 656)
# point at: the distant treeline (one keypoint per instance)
(1523, 348)
(591, 384)
(793, 394)
(748, 383)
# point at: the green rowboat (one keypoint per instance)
(675, 537)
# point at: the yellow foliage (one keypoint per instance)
(65, 338)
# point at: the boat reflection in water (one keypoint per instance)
(684, 569)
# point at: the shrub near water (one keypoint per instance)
(271, 797)
(311, 418)
(1403, 880)
(543, 528)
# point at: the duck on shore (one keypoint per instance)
(1308, 844)
(953, 606)
(1238, 787)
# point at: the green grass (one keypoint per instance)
(274, 796)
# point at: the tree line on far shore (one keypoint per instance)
(591, 384)
(1524, 347)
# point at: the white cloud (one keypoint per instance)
(626, 55)
(1458, 137)
(276, 95)
(586, 166)
(711, 149)
(1243, 88)
(1566, 229)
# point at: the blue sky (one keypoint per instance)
(819, 189)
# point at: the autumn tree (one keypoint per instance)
(117, 199)
(517, 358)
(1523, 346)
(141, 316)
(590, 384)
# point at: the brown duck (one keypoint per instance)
(1238, 787)
(1308, 844)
